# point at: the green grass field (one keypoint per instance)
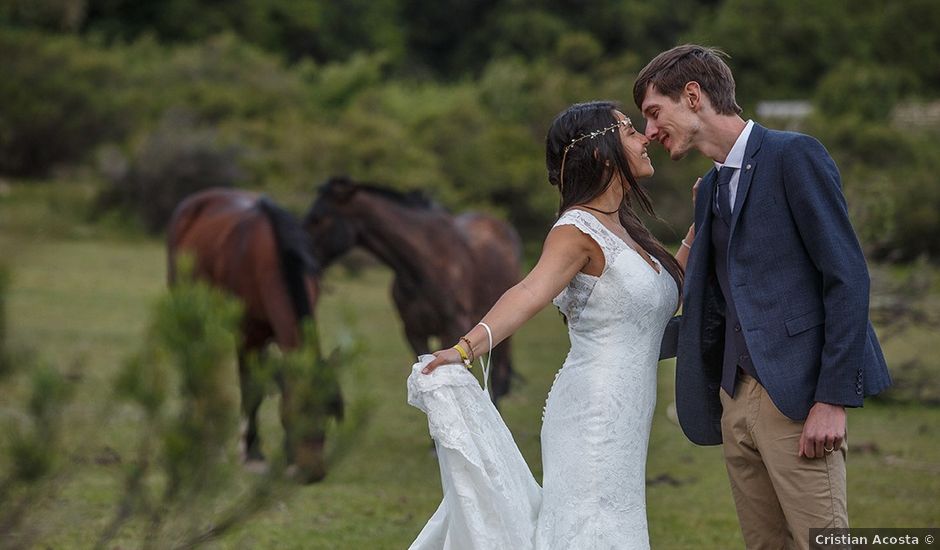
(81, 300)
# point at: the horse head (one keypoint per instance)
(328, 221)
(306, 446)
(310, 398)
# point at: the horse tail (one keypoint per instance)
(293, 247)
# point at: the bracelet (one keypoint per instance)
(489, 335)
(463, 356)
(687, 245)
(489, 355)
(469, 347)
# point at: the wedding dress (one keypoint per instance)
(595, 426)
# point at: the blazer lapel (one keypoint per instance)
(704, 199)
(706, 191)
(747, 173)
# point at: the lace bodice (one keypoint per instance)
(571, 300)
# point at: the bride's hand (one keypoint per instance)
(447, 356)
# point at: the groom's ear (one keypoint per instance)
(692, 96)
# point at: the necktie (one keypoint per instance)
(724, 199)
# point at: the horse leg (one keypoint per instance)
(417, 340)
(501, 371)
(304, 437)
(284, 386)
(256, 334)
(409, 309)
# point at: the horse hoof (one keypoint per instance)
(304, 476)
(256, 466)
(253, 454)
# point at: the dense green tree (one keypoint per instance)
(55, 101)
(866, 90)
(453, 97)
(445, 35)
(777, 49)
(903, 35)
(5, 360)
(52, 15)
(319, 29)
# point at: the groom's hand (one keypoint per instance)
(823, 430)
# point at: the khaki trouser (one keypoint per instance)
(779, 495)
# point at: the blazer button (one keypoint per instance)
(743, 357)
(737, 328)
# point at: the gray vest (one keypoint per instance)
(736, 353)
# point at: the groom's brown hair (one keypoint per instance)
(671, 70)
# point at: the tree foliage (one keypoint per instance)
(450, 96)
(55, 104)
(177, 159)
(5, 359)
(182, 381)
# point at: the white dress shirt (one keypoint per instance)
(734, 161)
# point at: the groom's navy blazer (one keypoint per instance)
(799, 283)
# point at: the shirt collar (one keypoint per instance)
(736, 155)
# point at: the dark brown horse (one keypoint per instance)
(449, 270)
(247, 245)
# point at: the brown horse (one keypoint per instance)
(448, 270)
(248, 246)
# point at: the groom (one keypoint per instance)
(774, 341)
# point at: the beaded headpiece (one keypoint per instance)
(622, 122)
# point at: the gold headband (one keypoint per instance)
(622, 122)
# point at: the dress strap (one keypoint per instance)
(588, 224)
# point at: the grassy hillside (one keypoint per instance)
(81, 300)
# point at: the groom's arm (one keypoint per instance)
(670, 343)
(814, 192)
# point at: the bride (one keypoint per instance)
(617, 288)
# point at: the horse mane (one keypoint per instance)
(294, 248)
(412, 199)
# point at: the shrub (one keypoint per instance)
(175, 160)
(31, 455)
(578, 51)
(4, 351)
(183, 380)
(890, 184)
(864, 90)
(57, 101)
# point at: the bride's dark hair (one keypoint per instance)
(589, 166)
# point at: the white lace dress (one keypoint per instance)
(595, 427)
(491, 501)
